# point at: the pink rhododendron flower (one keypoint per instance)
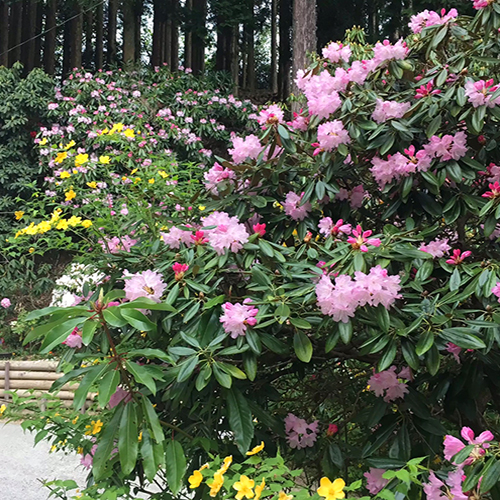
(455, 350)
(388, 110)
(448, 147)
(332, 134)
(426, 90)
(227, 234)
(434, 488)
(5, 303)
(118, 396)
(383, 52)
(179, 270)
(328, 228)
(299, 122)
(216, 175)
(430, 18)
(260, 229)
(272, 115)
(321, 93)
(481, 4)
(436, 248)
(332, 430)
(357, 195)
(374, 480)
(199, 238)
(294, 207)
(452, 445)
(458, 257)
(237, 317)
(117, 244)
(495, 191)
(74, 339)
(387, 381)
(361, 238)
(299, 433)
(336, 52)
(147, 284)
(249, 147)
(479, 93)
(342, 299)
(87, 461)
(176, 236)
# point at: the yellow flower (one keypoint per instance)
(256, 450)
(61, 157)
(81, 159)
(140, 437)
(104, 159)
(2, 409)
(53, 448)
(62, 224)
(92, 184)
(79, 450)
(75, 420)
(134, 171)
(70, 195)
(105, 131)
(331, 491)
(94, 428)
(44, 226)
(86, 223)
(56, 215)
(31, 250)
(201, 208)
(69, 145)
(19, 214)
(31, 229)
(195, 479)
(129, 133)
(137, 179)
(74, 220)
(118, 126)
(65, 175)
(216, 484)
(151, 181)
(75, 171)
(244, 487)
(259, 489)
(43, 142)
(227, 462)
(163, 174)
(203, 467)
(284, 496)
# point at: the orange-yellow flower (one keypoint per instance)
(81, 159)
(216, 484)
(244, 487)
(256, 450)
(227, 462)
(195, 479)
(104, 159)
(331, 491)
(94, 428)
(284, 496)
(86, 223)
(61, 157)
(19, 214)
(70, 195)
(259, 489)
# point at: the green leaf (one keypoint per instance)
(175, 465)
(148, 458)
(336, 455)
(187, 368)
(59, 333)
(463, 454)
(240, 419)
(152, 418)
(491, 476)
(88, 330)
(143, 374)
(108, 386)
(388, 356)
(455, 280)
(462, 337)
(90, 378)
(345, 331)
(301, 323)
(138, 320)
(425, 342)
(302, 346)
(106, 445)
(128, 439)
(145, 303)
(222, 377)
(234, 371)
(113, 317)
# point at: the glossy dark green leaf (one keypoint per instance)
(240, 419)
(175, 461)
(128, 439)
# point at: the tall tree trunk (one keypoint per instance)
(4, 33)
(235, 67)
(158, 32)
(167, 39)
(139, 7)
(88, 27)
(99, 37)
(250, 49)
(15, 31)
(373, 21)
(28, 35)
(49, 46)
(67, 48)
(198, 43)
(188, 36)
(128, 31)
(285, 60)
(175, 36)
(111, 29)
(77, 36)
(274, 47)
(38, 31)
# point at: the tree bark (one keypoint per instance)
(274, 46)
(250, 46)
(167, 38)
(235, 67)
(38, 30)
(99, 37)
(158, 32)
(49, 46)
(4, 33)
(139, 7)
(128, 31)
(89, 29)
(188, 36)
(77, 38)
(175, 36)
(15, 31)
(111, 28)
(198, 36)
(304, 34)
(28, 34)
(285, 52)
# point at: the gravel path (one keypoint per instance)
(21, 465)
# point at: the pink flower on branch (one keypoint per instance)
(436, 248)
(259, 229)
(458, 257)
(237, 317)
(299, 433)
(426, 90)
(328, 228)
(331, 135)
(336, 52)
(388, 384)
(374, 480)
(452, 445)
(294, 207)
(148, 284)
(388, 110)
(361, 239)
(179, 270)
(495, 191)
(74, 339)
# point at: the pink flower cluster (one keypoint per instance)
(458, 257)
(216, 175)
(74, 339)
(495, 191)
(479, 93)
(342, 299)
(117, 244)
(118, 396)
(179, 270)
(374, 480)
(272, 115)
(249, 147)
(328, 228)
(436, 248)
(496, 290)
(336, 52)
(428, 18)
(360, 239)
(5, 303)
(227, 234)
(321, 92)
(481, 4)
(453, 486)
(389, 384)
(453, 445)
(299, 433)
(294, 207)
(331, 135)
(448, 147)
(385, 51)
(388, 110)
(355, 196)
(147, 284)
(237, 317)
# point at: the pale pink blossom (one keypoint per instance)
(332, 134)
(336, 52)
(228, 233)
(272, 115)
(388, 110)
(216, 175)
(74, 339)
(117, 244)
(360, 239)
(249, 147)
(374, 480)
(481, 4)
(448, 147)
(294, 207)
(496, 290)
(299, 433)
(328, 228)
(5, 303)
(385, 51)
(452, 445)
(321, 93)
(148, 284)
(430, 18)
(479, 93)
(237, 317)
(437, 248)
(388, 384)
(176, 236)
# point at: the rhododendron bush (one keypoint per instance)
(336, 296)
